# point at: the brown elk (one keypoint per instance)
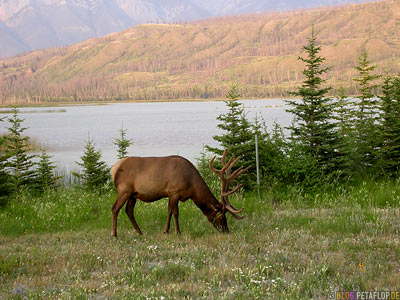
(152, 178)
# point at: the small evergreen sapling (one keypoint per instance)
(45, 172)
(122, 143)
(20, 164)
(94, 172)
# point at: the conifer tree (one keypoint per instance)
(94, 172)
(5, 178)
(312, 130)
(20, 164)
(271, 152)
(345, 133)
(389, 127)
(367, 106)
(45, 177)
(365, 115)
(122, 143)
(343, 112)
(237, 136)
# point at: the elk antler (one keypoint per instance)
(226, 181)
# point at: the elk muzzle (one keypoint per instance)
(220, 222)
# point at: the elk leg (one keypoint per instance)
(129, 211)
(166, 229)
(121, 199)
(173, 209)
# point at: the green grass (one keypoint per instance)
(58, 246)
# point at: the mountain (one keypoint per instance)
(161, 11)
(10, 41)
(50, 23)
(36, 24)
(236, 7)
(199, 59)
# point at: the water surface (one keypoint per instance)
(157, 129)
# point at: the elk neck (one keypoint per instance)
(206, 201)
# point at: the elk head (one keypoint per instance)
(219, 218)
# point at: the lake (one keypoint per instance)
(157, 128)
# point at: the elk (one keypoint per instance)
(152, 178)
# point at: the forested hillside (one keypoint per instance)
(198, 59)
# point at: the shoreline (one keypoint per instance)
(106, 102)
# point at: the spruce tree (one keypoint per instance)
(313, 129)
(122, 143)
(45, 177)
(345, 133)
(5, 178)
(237, 136)
(367, 106)
(19, 164)
(365, 115)
(343, 113)
(94, 172)
(389, 127)
(271, 152)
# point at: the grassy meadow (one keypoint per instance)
(58, 246)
